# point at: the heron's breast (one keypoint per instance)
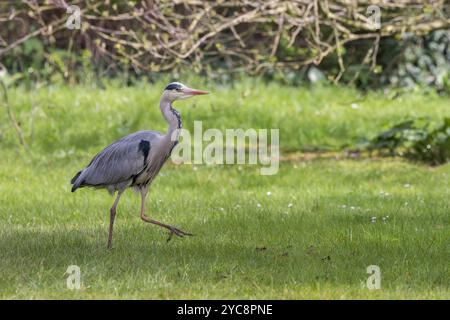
(153, 165)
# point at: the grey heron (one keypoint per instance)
(135, 160)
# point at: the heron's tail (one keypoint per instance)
(74, 182)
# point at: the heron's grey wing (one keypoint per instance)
(122, 160)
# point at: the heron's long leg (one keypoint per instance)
(171, 229)
(112, 215)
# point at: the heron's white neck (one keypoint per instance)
(171, 115)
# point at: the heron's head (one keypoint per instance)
(177, 91)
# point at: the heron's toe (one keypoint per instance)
(177, 232)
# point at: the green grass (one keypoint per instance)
(315, 249)
(65, 120)
(320, 247)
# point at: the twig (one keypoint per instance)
(11, 116)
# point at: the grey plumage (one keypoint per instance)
(136, 159)
(120, 164)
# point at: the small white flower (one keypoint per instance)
(221, 209)
(355, 106)
(290, 205)
(352, 208)
(269, 193)
(343, 206)
(407, 185)
(258, 205)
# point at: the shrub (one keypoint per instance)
(419, 139)
(216, 38)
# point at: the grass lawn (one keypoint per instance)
(312, 236)
(67, 120)
(320, 247)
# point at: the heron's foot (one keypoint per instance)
(177, 232)
(172, 229)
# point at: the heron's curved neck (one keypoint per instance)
(171, 115)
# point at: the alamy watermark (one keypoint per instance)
(233, 146)
(375, 17)
(73, 281)
(74, 19)
(374, 280)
